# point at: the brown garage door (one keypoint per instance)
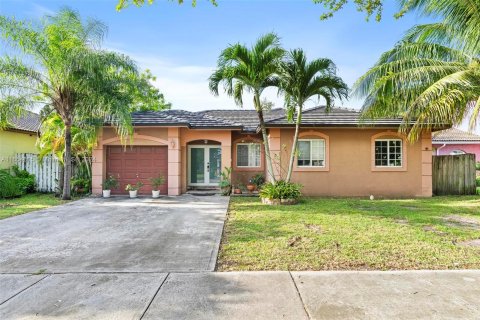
(137, 164)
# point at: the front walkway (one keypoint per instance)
(243, 295)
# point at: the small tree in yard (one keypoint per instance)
(65, 69)
(300, 81)
(253, 70)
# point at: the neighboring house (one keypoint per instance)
(19, 137)
(455, 141)
(338, 156)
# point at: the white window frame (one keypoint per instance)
(249, 145)
(311, 160)
(388, 153)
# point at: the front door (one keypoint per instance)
(204, 165)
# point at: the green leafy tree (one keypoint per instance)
(432, 76)
(147, 97)
(252, 70)
(63, 67)
(300, 81)
(125, 3)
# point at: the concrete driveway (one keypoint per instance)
(116, 235)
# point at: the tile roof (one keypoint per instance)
(247, 120)
(188, 119)
(28, 121)
(336, 117)
(454, 134)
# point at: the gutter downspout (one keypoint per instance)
(438, 149)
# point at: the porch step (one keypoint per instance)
(204, 191)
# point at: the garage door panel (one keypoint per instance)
(138, 164)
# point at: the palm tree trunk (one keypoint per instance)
(67, 159)
(263, 129)
(294, 144)
(61, 171)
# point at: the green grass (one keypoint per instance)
(27, 203)
(351, 234)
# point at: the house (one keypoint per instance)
(20, 136)
(455, 141)
(339, 155)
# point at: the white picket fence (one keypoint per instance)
(46, 171)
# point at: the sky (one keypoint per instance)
(180, 44)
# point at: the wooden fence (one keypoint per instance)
(453, 175)
(46, 171)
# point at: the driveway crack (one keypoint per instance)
(300, 296)
(154, 296)
(24, 289)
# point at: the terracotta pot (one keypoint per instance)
(237, 191)
(250, 187)
(155, 193)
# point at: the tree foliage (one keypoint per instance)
(125, 3)
(302, 80)
(432, 76)
(242, 69)
(61, 66)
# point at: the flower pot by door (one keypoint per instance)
(155, 193)
(106, 193)
(133, 194)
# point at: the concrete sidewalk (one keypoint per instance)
(242, 295)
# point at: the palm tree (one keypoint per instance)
(300, 81)
(432, 76)
(52, 141)
(253, 70)
(65, 69)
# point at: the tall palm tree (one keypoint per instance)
(253, 70)
(65, 69)
(432, 76)
(300, 81)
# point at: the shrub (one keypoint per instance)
(478, 181)
(80, 185)
(15, 182)
(24, 180)
(8, 185)
(477, 165)
(281, 190)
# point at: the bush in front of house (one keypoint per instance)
(15, 182)
(477, 165)
(478, 181)
(281, 190)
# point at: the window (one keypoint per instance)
(457, 152)
(248, 155)
(311, 153)
(388, 153)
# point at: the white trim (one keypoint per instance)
(311, 160)
(248, 144)
(388, 153)
(206, 158)
(454, 142)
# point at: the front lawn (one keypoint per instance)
(27, 203)
(352, 234)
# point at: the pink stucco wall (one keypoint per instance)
(468, 148)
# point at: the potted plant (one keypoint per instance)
(250, 186)
(237, 189)
(156, 182)
(258, 180)
(225, 181)
(109, 184)
(133, 189)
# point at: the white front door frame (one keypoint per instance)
(206, 150)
